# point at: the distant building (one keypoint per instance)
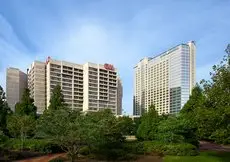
(16, 82)
(119, 96)
(165, 80)
(87, 87)
(37, 85)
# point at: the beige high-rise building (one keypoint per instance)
(70, 77)
(37, 85)
(165, 80)
(100, 87)
(16, 82)
(87, 87)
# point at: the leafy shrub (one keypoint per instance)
(221, 136)
(3, 139)
(180, 149)
(36, 145)
(134, 147)
(84, 150)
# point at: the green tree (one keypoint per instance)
(4, 110)
(126, 125)
(108, 138)
(208, 108)
(64, 128)
(3, 140)
(21, 126)
(196, 100)
(175, 130)
(26, 105)
(149, 122)
(57, 99)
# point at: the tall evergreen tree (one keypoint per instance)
(57, 99)
(149, 121)
(4, 110)
(26, 105)
(196, 99)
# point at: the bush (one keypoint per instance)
(84, 150)
(180, 149)
(221, 136)
(134, 147)
(3, 139)
(35, 145)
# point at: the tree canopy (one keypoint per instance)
(4, 110)
(208, 108)
(57, 99)
(26, 105)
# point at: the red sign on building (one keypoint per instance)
(108, 66)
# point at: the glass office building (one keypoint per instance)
(165, 80)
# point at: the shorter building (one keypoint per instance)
(16, 82)
(86, 87)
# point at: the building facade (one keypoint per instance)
(37, 84)
(70, 77)
(16, 82)
(120, 96)
(87, 87)
(165, 80)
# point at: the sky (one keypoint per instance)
(119, 32)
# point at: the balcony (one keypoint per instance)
(93, 73)
(92, 69)
(55, 70)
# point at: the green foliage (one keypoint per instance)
(196, 100)
(57, 99)
(61, 128)
(134, 147)
(38, 145)
(4, 110)
(221, 136)
(85, 150)
(180, 149)
(169, 131)
(26, 105)
(3, 139)
(208, 108)
(175, 130)
(126, 125)
(148, 128)
(203, 157)
(108, 138)
(21, 126)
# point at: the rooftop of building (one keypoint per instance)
(166, 52)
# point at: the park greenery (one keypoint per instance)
(101, 135)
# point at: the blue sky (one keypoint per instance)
(120, 32)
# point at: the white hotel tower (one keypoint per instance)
(87, 87)
(165, 80)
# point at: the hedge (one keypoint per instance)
(34, 145)
(179, 149)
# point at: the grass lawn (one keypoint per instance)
(207, 156)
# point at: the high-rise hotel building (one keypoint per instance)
(165, 80)
(87, 87)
